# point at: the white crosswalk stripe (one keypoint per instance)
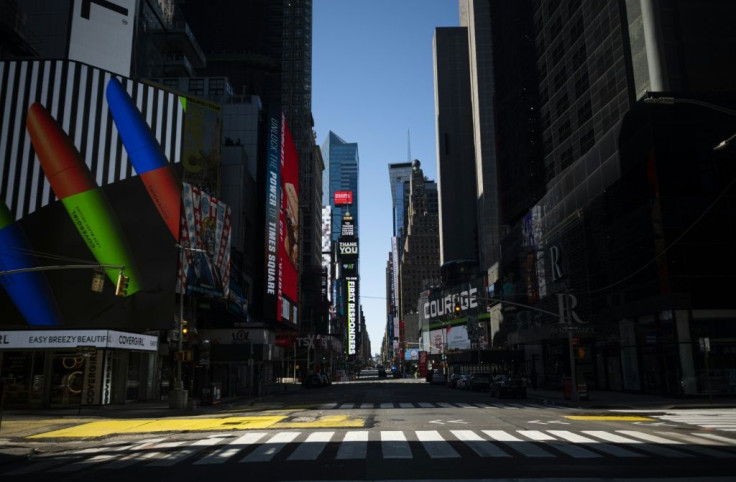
(394, 445)
(354, 446)
(723, 419)
(435, 445)
(268, 450)
(299, 446)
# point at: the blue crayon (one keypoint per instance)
(145, 155)
(30, 291)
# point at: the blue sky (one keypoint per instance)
(372, 83)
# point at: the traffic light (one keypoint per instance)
(457, 307)
(184, 328)
(121, 289)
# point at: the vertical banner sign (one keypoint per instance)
(351, 284)
(273, 197)
(289, 221)
(102, 34)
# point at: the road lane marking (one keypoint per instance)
(394, 445)
(354, 445)
(436, 446)
(527, 449)
(311, 448)
(478, 444)
(268, 450)
(594, 444)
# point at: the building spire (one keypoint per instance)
(408, 145)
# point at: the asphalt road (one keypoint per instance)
(388, 429)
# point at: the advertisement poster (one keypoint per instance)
(289, 220)
(272, 275)
(205, 230)
(86, 179)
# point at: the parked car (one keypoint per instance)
(452, 381)
(479, 381)
(438, 378)
(463, 383)
(508, 386)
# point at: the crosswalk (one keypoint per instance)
(723, 419)
(390, 405)
(344, 445)
(717, 419)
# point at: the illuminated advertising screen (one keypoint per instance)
(102, 34)
(201, 145)
(205, 230)
(271, 293)
(343, 198)
(351, 298)
(289, 219)
(86, 179)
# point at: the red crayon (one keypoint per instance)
(74, 185)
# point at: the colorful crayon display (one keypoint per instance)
(83, 200)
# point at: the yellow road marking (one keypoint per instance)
(109, 427)
(613, 418)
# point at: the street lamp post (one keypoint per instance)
(665, 100)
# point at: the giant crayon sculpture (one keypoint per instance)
(145, 155)
(29, 291)
(85, 202)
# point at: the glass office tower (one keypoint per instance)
(341, 169)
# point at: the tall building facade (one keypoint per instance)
(341, 166)
(456, 177)
(613, 210)
(419, 267)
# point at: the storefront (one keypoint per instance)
(70, 368)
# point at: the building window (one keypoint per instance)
(564, 130)
(562, 104)
(560, 78)
(558, 52)
(585, 112)
(581, 83)
(587, 141)
(579, 57)
(196, 86)
(217, 87)
(566, 157)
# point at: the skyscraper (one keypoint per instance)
(341, 166)
(456, 177)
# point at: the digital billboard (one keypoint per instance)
(204, 266)
(271, 294)
(343, 198)
(86, 179)
(289, 222)
(351, 298)
(102, 34)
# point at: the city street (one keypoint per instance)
(385, 429)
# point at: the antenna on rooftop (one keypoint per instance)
(408, 145)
